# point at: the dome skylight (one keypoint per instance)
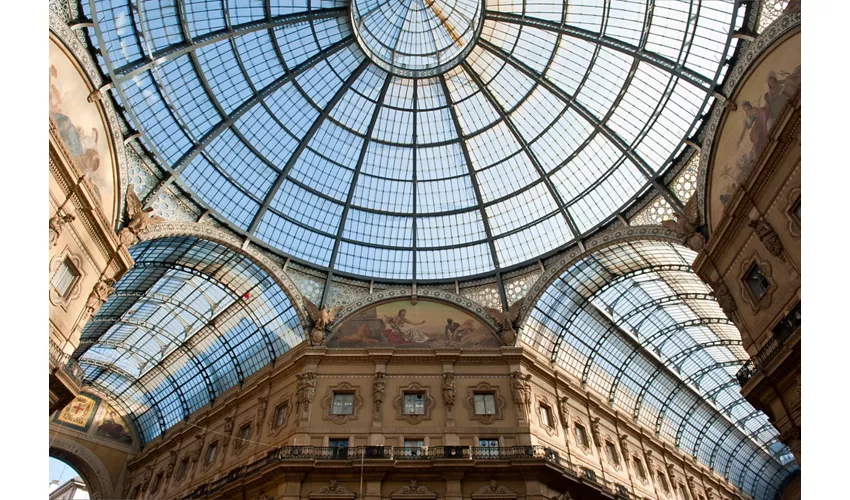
(469, 138)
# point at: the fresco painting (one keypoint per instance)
(110, 425)
(402, 324)
(80, 126)
(745, 133)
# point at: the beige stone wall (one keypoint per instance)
(357, 369)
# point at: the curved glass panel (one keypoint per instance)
(188, 321)
(541, 120)
(635, 323)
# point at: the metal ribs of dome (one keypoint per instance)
(272, 118)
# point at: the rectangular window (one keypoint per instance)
(280, 414)
(343, 404)
(211, 450)
(581, 436)
(338, 448)
(184, 467)
(414, 447)
(611, 451)
(641, 472)
(488, 447)
(545, 415)
(414, 403)
(757, 283)
(156, 482)
(663, 480)
(485, 403)
(65, 277)
(244, 433)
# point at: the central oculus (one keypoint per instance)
(416, 38)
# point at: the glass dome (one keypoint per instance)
(415, 140)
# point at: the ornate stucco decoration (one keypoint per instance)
(227, 432)
(284, 404)
(507, 320)
(321, 319)
(140, 219)
(563, 496)
(786, 23)
(379, 389)
(763, 302)
(414, 490)
(686, 225)
(564, 413)
(97, 477)
(203, 231)
(521, 393)
(56, 224)
(494, 490)
(333, 490)
(98, 296)
(449, 393)
(55, 298)
(327, 403)
(469, 402)
(552, 428)
(262, 408)
(594, 431)
(791, 212)
(414, 388)
(305, 394)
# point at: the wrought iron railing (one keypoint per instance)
(62, 360)
(353, 454)
(781, 333)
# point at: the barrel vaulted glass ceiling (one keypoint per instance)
(188, 321)
(642, 329)
(524, 126)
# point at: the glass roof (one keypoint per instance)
(634, 323)
(507, 145)
(188, 321)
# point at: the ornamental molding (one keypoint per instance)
(327, 403)
(763, 44)
(414, 388)
(790, 213)
(91, 74)
(414, 490)
(93, 470)
(469, 403)
(286, 400)
(375, 298)
(333, 490)
(233, 242)
(494, 490)
(552, 428)
(55, 298)
(763, 302)
(606, 238)
(240, 444)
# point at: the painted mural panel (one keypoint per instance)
(401, 324)
(110, 425)
(760, 101)
(79, 413)
(81, 127)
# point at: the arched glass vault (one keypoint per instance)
(191, 319)
(272, 116)
(634, 323)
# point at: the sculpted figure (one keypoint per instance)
(139, 219)
(564, 411)
(321, 318)
(768, 236)
(521, 392)
(724, 298)
(686, 225)
(507, 319)
(56, 223)
(379, 387)
(594, 430)
(449, 390)
(99, 295)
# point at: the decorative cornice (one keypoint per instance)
(414, 490)
(747, 62)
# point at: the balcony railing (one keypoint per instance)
(354, 454)
(62, 360)
(781, 333)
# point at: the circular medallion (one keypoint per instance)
(416, 38)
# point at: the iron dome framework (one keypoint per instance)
(191, 319)
(635, 323)
(271, 116)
